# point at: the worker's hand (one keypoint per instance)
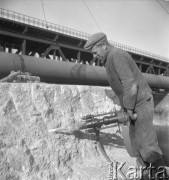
(131, 115)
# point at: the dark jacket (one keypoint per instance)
(126, 79)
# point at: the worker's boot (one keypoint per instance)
(141, 169)
(158, 170)
(155, 171)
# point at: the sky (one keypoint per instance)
(143, 24)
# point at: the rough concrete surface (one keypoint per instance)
(29, 152)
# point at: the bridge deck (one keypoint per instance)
(21, 34)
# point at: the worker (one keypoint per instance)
(135, 97)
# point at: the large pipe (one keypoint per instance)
(59, 72)
(52, 71)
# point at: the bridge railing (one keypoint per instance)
(18, 17)
(140, 52)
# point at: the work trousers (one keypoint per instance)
(143, 136)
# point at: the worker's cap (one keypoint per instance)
(94, 39)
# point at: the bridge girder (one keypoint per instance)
(30, 40)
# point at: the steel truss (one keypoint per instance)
(20, 38)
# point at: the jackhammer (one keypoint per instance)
(95, 123)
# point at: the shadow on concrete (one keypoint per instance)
(107, 139)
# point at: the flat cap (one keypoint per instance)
(94, 39)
